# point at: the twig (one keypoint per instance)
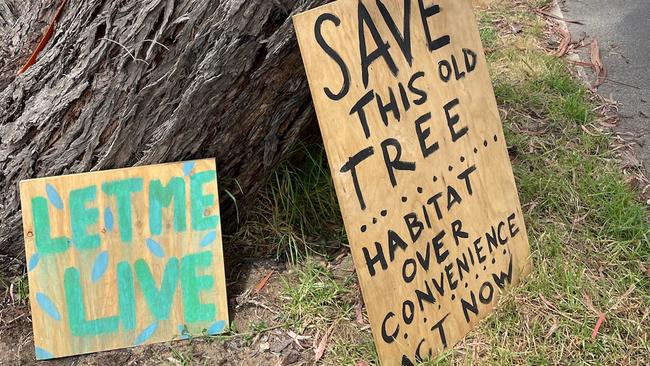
(125, 49)
(156, 42)
(542, 12)
(248, 334)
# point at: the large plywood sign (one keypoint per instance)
(421, 169)
(124, 258)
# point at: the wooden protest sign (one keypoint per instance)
(124, 257)
(421, 169)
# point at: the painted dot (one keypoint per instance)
(426, 320)
(453, 297)
(475, 151)
(435, 179)
(462, 159)
(384, 213)
(364, 228)
(485, 143)
(477, 276)
(451, 168)
(406, 336)
(494, 260)
(505, 251)
(374, 220)
(496, 138)
(420, 190)
(439, 307)
(485, 268)
(404, 199)
(466, 285)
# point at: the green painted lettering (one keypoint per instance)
(159, 301)
(122, 191)
(77, 310)
(45, 244)
(201, 202)
(126, 297)
(193, 285)
(160, 197)
(82, 217)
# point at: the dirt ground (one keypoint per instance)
(259, 337)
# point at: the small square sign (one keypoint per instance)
(124, 257)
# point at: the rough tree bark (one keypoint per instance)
(134, 82)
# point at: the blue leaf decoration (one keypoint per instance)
(42, 354)
(48, 306)
(208, 239)
(146, 334)
(54, 197)
(183, 332)
(33, 261)
(217, 327)
(155, 248)
(109, 221)
(99, 268)
(188, 167)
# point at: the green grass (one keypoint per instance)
(15, 288)
(589, 232)
(298, 214)
(314, 297)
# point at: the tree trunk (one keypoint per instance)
(135, 82)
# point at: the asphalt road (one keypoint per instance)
(623, 31)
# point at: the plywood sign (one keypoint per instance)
(421, 169)
(123, 258)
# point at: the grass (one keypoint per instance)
(590, 235)
(298, 214)
(317, 299)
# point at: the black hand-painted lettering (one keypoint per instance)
(457, 231)
(453, 120)
(391, 106)
(425, 14)
(421, 93)
(403, 38)
(389, 338)
(351, 166)
(345, 72)
(378, 258)
(395, 163)
(423, 134)
(365, 21)
(358, 108)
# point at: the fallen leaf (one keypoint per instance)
(174, 361)
(590, 304)
(644, 269)
(320, 351)
(359, 310)
(599, 69)
(297, 339)
(542, 12)
(563, 48)
(600, 321)
(552, 329)
(547, 303)
(362, 363)
(260, 285)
